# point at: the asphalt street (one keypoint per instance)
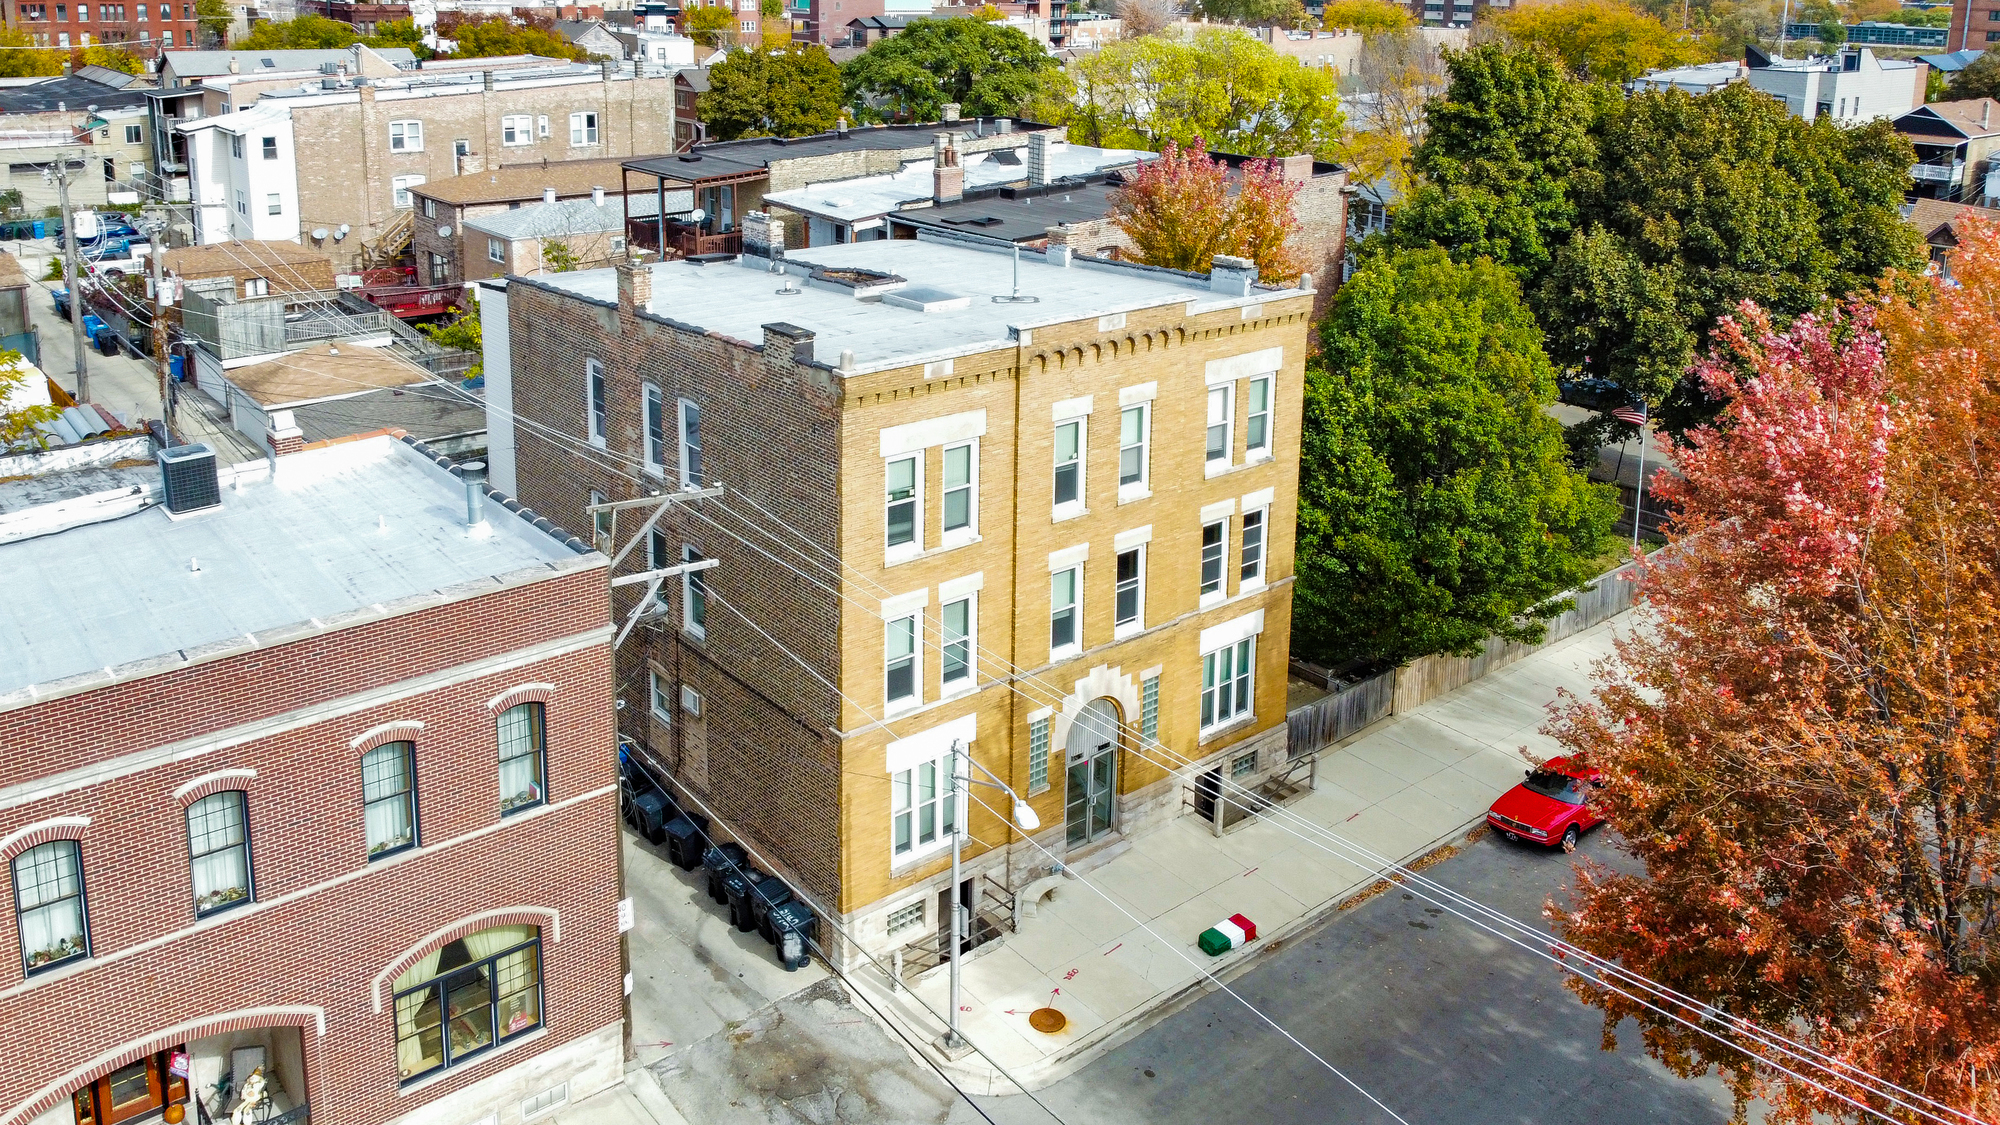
(1438, 1020)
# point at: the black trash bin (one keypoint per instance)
(687, 835)
(737, 885)
(764, 897)
(722, 860)
(795, 930)
(650, 813)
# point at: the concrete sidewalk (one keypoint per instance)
(1401, 789)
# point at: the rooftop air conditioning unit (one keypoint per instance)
(189, 476)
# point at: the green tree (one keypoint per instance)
(17, 62)
(1496, 165)
(485, 37)
(1369, 17)
(400, 33)
(215, 19)
(110, 58)
(1702, 203)
(1598, 39)
(771, 9)
(18, 425)
(1979, 80)
(1832, 33)
(1219, 86)
(463, 332)
(1253, 13)
(710, 27)
(987, 68)
(1435, 507)
(789, 91)
(306, 33)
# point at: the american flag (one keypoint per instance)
(1633, 413)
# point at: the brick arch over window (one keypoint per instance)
(209, 784)
(549, 920)
(400, 731)
(58, 1091)
(41, 832)
(521, 693)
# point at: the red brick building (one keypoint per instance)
(317, 780)
(143, 28)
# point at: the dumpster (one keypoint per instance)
(687, 835)
(649, 816)
(737, 886)
(796, 930)
(722, 860)
(764, 897)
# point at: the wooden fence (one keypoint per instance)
(1352, 707)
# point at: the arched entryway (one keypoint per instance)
(1091, 774)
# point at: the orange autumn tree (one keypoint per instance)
(1180, 212)
(1803, 742)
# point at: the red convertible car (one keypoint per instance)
(1550, 807)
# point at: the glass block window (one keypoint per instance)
(1038, 755)
(1149, 709)
(906, 917)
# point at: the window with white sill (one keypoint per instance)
(399, 190)
(496, 250)
(517, 129)
(582, 130)
(902, 515)
(1214, 546)
(1257, 418)
(1065, 612)
(1132, 466)
(406, 136)
(961, 492)
(1069, 464)
(923, 808)
(655, 436)
(901, 669)
(1129, 592)
(1254, 527)
(1226, 683)
(694, 597)
(1221, 430)
(956, 645)
(598, 414)
(690, 464)
(659, 695)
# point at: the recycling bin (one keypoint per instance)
(722, 861)
(796, 931)
(737, 886)
(764, 896)
(687, 835)
(649, 816)
(41, 229)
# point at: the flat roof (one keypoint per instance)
(566, 217)
(428, 412)
(511, 182)
(68, 94)
(1016, 216)
(957, 279)
(233, 257)
(339, 534)
(867, 196)
(323, 371)
(205, 64)
(754, 154)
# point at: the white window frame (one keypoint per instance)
(518, 126)
(690, 701)
(583, 129)
(659, 698)
(1219, 707)
(1137, 623)
(688, 411)
(269, 147)
(406, 136)
(542, 125)
(971, 642)
(896, 552)
(274, 203)
(1249, 576)
(692, 584)
(906, 801)
(399, 190)
(959, 536)
(1074, 607)
(256, 287)
(242, 202)
(135, 134)
(1142, 487)
(652, 438)
(1225, 394)
(1060, 510)
(235, 140)
(909, 626)
(1221, 559)
(496, 250)
(1263, 450)
(596, 402)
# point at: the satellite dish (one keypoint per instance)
(343, 229)
(319, 233)
(697, 215)
(444, 231)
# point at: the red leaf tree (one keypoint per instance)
(1802, 741)
(1180, 213)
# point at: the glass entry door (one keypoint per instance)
(1092, 773)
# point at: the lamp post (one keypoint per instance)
(1024, 820)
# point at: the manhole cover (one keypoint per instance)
(1048, 1021)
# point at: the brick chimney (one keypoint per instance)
(947, 176)
(635, 286)
(1038, 159)
(1232, 277)
(1295, 169)
(950, 112)
(763, 235)
(284, 436)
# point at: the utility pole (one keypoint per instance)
(70, 278)
(158, 256)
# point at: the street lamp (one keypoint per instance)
(1024, 819)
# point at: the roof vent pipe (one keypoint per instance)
(474, 475)
(597, 197)
(548, 195)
